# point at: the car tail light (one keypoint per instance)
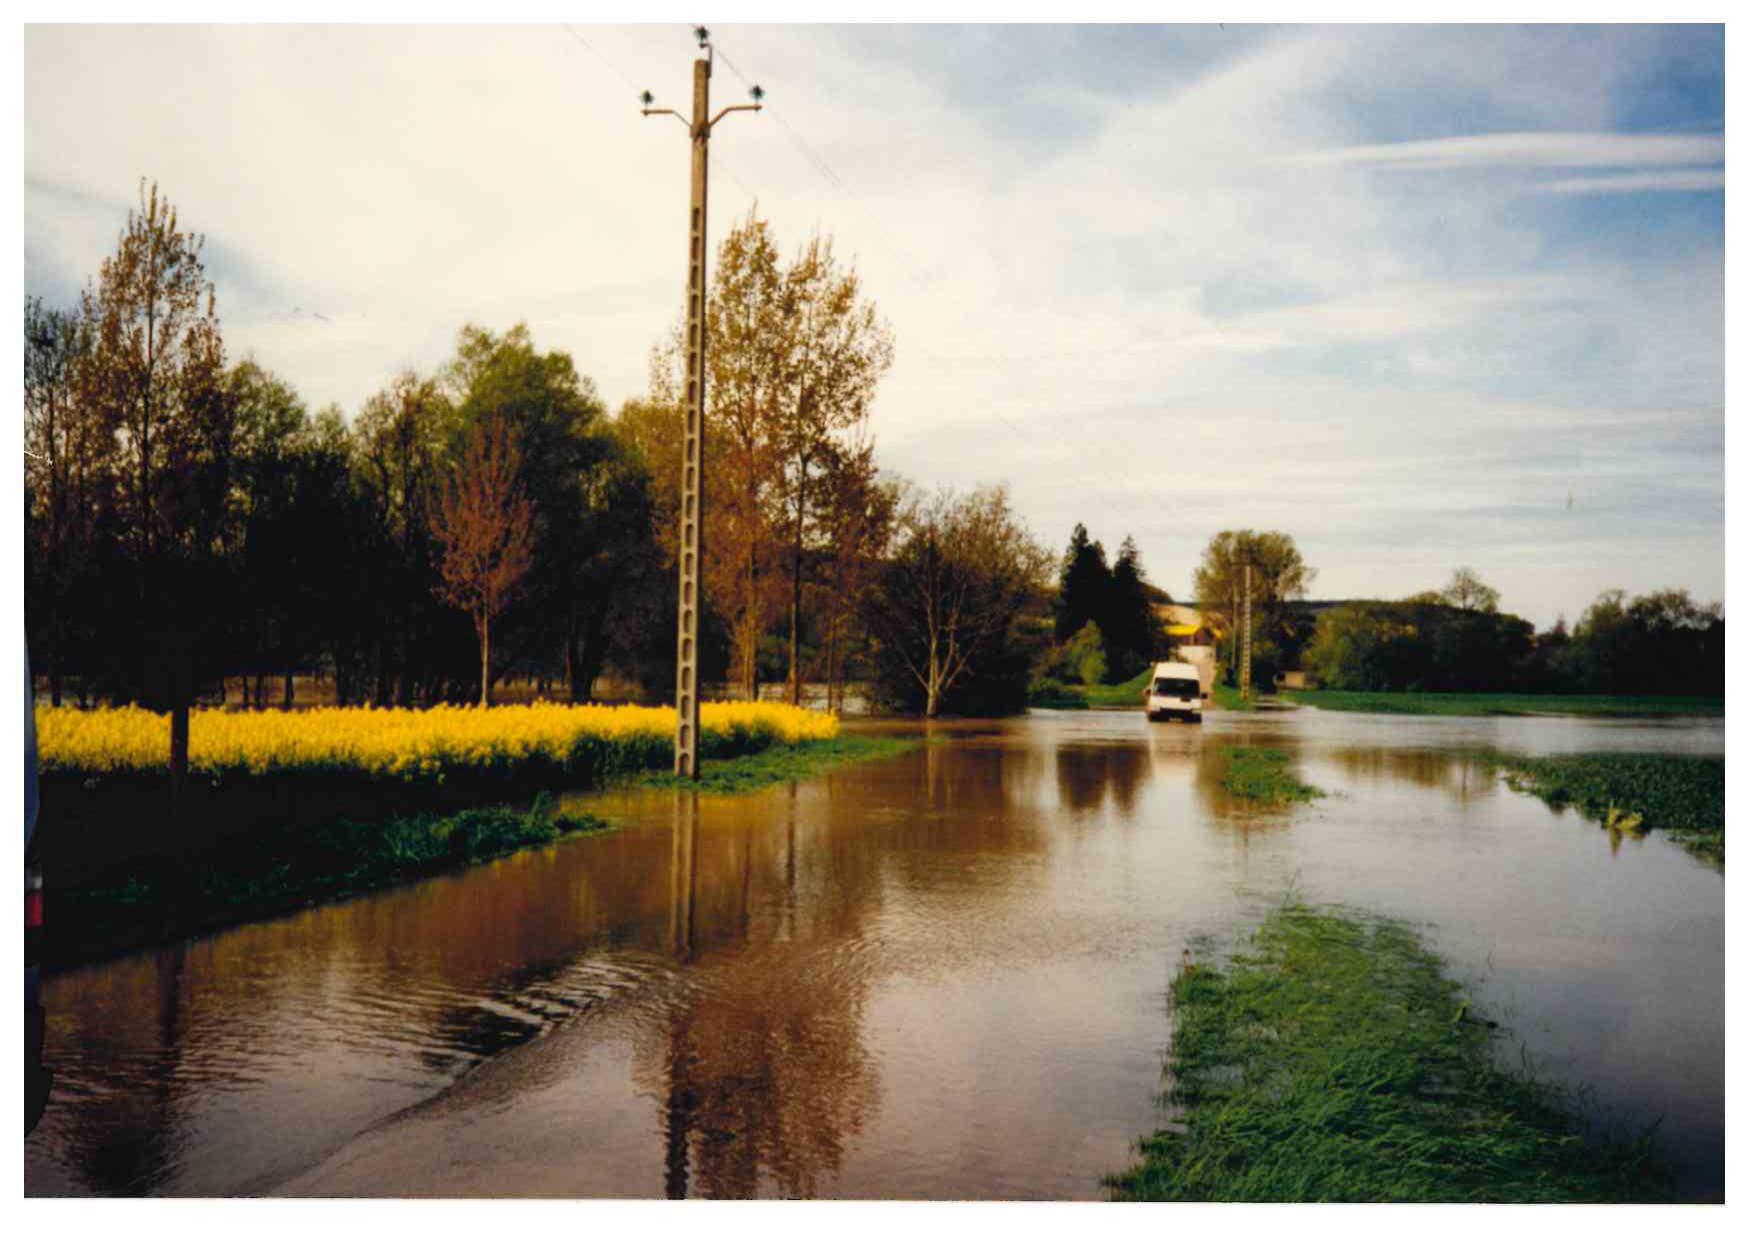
(33, 905)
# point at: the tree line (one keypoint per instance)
(189, 520)
(1456, 640)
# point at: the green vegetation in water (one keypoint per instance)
(274, 871)
(1264, 775)
(783, 763)
(1503, 703)
(1632, 793)
(1333, 1061)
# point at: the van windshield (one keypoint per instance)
(1176, 688)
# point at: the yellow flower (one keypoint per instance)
(408, 744)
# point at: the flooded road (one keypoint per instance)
(938, 976)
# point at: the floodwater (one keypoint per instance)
(939, 976)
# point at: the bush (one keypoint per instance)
(1084, 655)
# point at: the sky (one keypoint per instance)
(1421, 297)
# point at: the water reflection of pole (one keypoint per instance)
(683, 876)
(682, 1099)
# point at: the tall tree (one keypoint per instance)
(835, 349)
(272, 426)
(485, 526)
(1130, 629)
(745, 366)
(401, 445)
(857, 510)
(1084, 586)
(947, 600)
(1279, 575)
(1467, 592)
(580, 493)
(59, 437)
(158, 378)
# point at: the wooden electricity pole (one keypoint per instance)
(686, 684)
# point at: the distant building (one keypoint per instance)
(1190, 637)
(1185, 625)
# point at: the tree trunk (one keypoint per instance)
(795, 596)
(485, 661)
(831, 663)
(288, 689)
(180, 693)
(573, 667)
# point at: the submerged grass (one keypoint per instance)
(275, 871)
(784, 763)
(1632, 793)
(1264, 775)
(1334, 1061)
(1503, 703)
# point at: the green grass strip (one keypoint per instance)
(1263, 775)
(783, 764)
(1333, 1061)
(1632, 793)
(1128, 693)
(1226, 697)
(1503, 704)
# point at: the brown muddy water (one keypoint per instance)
(939, 976)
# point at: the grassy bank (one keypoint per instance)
(1228, 698)
(278, 870)
(1126, 694)
(1333, 1061)
(785, 763)
(282, 866)
(1632, 793)
(1057, 696)
(1503, 704)
(1263, 775)
(105, 800)
(1054, 695)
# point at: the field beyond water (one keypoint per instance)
(1502, 703)
(1333, 1060)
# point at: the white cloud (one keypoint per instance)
(1532, 150)
(1679, 181)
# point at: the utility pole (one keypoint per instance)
(1244, 674)
(686, 686)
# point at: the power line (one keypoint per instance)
(590, 48)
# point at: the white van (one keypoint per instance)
(1176, 689)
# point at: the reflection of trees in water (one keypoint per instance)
(1089, 775)
(121, 1135)
(976, 778)
(1461, 777)
(761, 1071)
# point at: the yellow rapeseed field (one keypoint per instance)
(410, 744)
